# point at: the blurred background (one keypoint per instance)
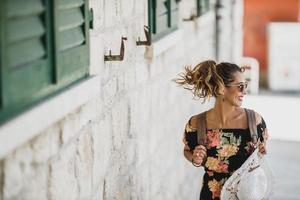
(88, 109)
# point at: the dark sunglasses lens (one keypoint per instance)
(242, 87)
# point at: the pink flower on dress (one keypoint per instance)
(216, 194)
(210, 173)
(213, 138)
(223, 167)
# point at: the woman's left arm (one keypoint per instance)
(262, 133)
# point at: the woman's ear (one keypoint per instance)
(222, 90)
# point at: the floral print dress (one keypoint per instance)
(227, 150)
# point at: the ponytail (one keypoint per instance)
(203, 80)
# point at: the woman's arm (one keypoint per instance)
(188, 154)
(197, 155)
(263, 134)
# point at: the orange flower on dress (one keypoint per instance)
(213, 138)
(212, 163)
(216, 165)
(215, 188)
(228, 150)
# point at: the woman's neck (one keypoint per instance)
(223, 111)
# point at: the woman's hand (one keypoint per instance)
(199, 154)
(262, 148)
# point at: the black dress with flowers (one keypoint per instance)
(227, 150)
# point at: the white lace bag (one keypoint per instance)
(254, 180)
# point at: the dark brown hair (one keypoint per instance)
(207, 78)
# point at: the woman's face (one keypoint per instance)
(236, 90)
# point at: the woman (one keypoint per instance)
(228, 140)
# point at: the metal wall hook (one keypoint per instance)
(193, 17)
(148, 37)
(116, 57)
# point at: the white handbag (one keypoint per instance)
(254, 180)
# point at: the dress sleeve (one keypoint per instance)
(262, 130)
(189, 136)
(186, 147)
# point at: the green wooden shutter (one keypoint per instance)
(162, 15)
(207, 5)
(25, 69)
(44, 47)
(1, 54)
(71, 40)
(203, 6)
(152, 15)
(174, 14)
(199, 8)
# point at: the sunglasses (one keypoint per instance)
(240, 86)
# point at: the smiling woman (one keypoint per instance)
(220, 139)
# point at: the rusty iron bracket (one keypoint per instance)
(120, 57)
(193, 17)
(147, 42)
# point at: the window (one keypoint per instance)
(163, 17)
(203, 6)
(44, 47)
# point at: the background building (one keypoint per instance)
(87, 106)
(258, 14)
(74, 126)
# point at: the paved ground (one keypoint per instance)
(284, 157)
